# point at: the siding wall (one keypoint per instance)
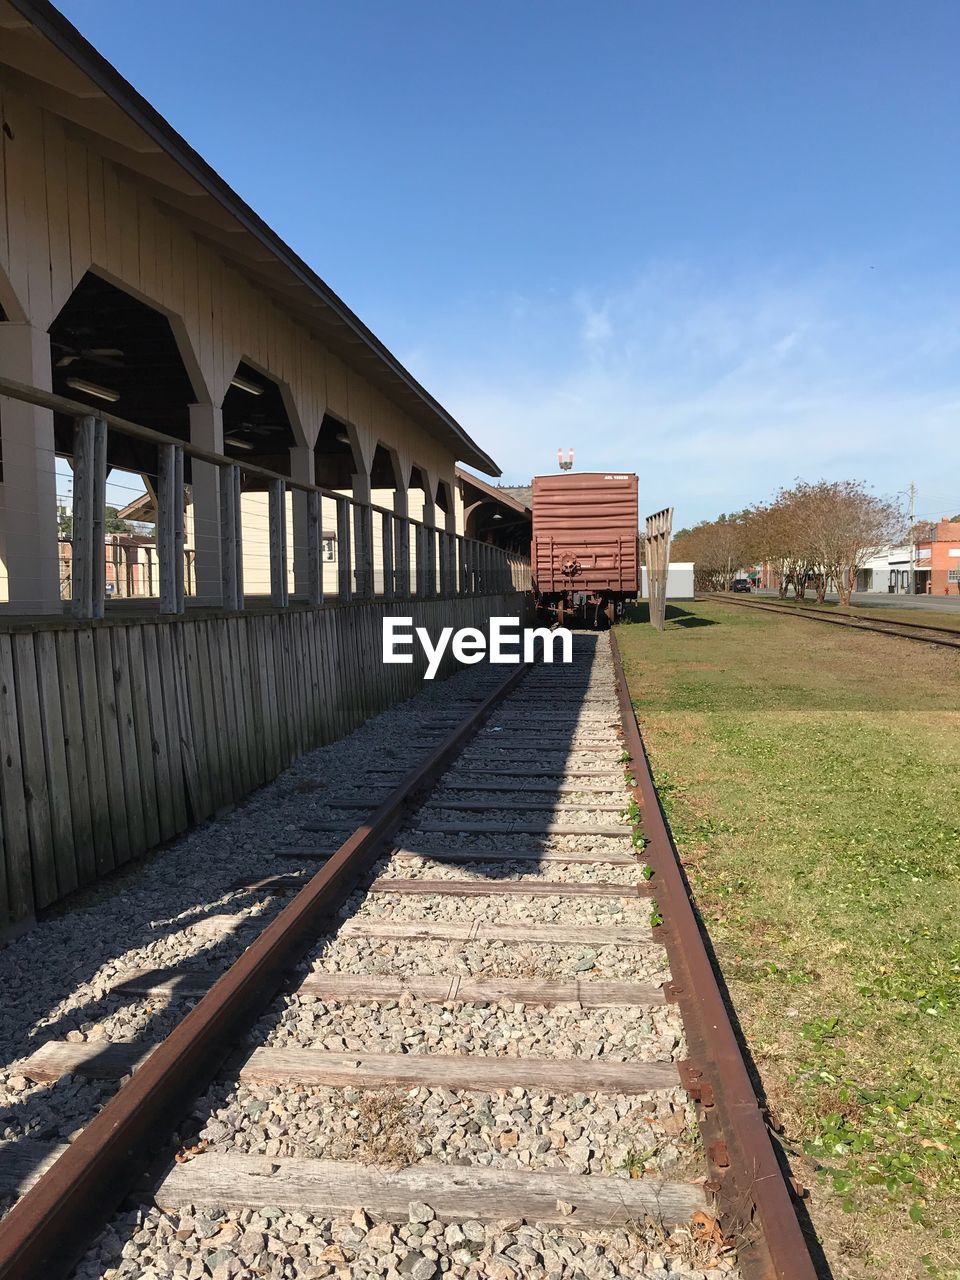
(66, 208)
(117, 736)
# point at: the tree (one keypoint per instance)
(847, 525)
(111, 522)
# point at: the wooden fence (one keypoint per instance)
(117, 735)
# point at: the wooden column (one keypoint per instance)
(420, 547)
(444, 563)
(344, 550)
(402, 554)
(231, 539)
(463, 571)
(89, 497)
(279, 593)
(363, 523)
(170, 527)
(430, 542)
(314, 534)
(387, 539)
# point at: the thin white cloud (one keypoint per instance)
(716, 394)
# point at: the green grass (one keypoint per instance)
(812, 779)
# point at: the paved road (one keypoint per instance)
(875, 600)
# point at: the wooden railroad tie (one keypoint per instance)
(480, 806)
(484, 828)
(555, 935)
(293, 881)
(316, 1068)
(476, 855)
(350, 988)
(334, 1188)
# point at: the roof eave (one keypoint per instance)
(72, 44)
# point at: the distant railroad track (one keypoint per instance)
(926, 633)
(518, 810)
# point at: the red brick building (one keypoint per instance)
(938, 560)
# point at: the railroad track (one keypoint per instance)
(927, 633)
(465, 1046)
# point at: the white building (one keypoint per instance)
(679, 581)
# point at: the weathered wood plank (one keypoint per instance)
(476, 855)
(23, 1163)
(54, 746)
(34, 771)
(169, 678)
(126, 728)
(555, 935)
(508, 888)
(93, 1059)
(16, 830)
(170, 527)
(277, 517)
(329, 1188)
(347, 988)
(142, 724)
(440, 804)
(505, 828)
(314, 1067)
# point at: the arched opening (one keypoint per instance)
(335, 461)
(385, 471)
(257, 430)
(114, 352)
(256, 425)
(444, 501)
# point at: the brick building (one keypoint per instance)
(938, 560)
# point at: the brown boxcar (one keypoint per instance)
(584, 553)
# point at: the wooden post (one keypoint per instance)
(444, 563)
(386, 535)
(170, 527)
(89, 496)
(279, 593)
(314, 548)
(344, 549)
(463, 570)
(420, 546)
(402, 554)
(430, 540)
(363, 523)
(231, 541)
(659, 527)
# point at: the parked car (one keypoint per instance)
(741, 585)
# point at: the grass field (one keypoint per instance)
(812, 779)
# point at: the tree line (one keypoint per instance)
(813, 535)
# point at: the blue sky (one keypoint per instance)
(713, 243)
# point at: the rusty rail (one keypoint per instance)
(752, 1191)
(895, 627)
(47, 1230)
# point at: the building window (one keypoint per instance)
(953, 575)
(330, 550)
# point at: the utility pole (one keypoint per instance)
(913, 550)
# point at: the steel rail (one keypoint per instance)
(754, 1198)
(47, 1230)
(878, 625)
